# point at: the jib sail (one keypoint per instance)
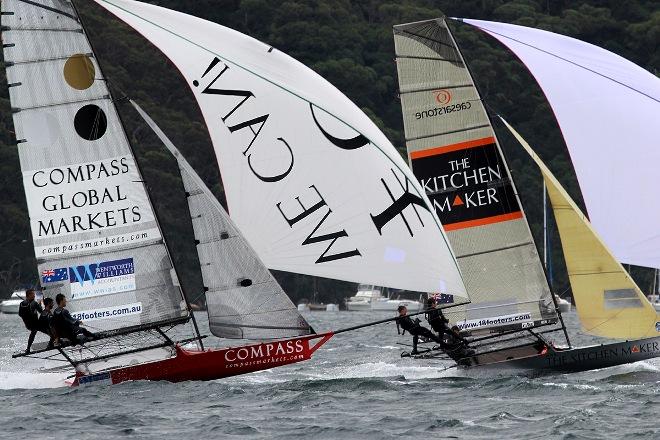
(311, 182)
(95, 234)
(608, 300)
(243, 299)
(455, 155)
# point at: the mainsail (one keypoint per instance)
(311, 182)
(243, 298)
(608, 301)
(456, 156)
(607, 108)
(95, 234)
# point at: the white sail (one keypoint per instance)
(456, 156)
(243, 299)
(311, 182)
(608, 109)
(96, 237)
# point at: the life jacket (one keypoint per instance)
(60, 325)
(30, 319)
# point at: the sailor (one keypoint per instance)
(406, 323)
(437, 319)
(45, 320)
(456, 346)
(66, 326)
(29, 310)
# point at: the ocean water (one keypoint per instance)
(356, 387)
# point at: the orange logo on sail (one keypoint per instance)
(635, 349)
(457, 201)
(442, 96)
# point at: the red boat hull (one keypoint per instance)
(213, 363)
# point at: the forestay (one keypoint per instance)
(243, 298)
(608, 110)
(455, 155)
(607, 299)
(310, 181)
(95, 235)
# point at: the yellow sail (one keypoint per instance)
(608, 301)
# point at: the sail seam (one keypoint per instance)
(428, 89)
(50, 8)
(41, 60)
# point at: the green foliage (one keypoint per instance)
(350, 44)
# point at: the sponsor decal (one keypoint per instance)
(443, 110)
(95, 379)
(91, 196)
(109, 312)
(107, 277)
(267, 353)
(467, 183)
(306, 208)
(53, 275)
(443, 298)
(525, 319)
(442, 96)
(97, 244)
(604, 353)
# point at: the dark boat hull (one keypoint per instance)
(573, 359)
(211, 364)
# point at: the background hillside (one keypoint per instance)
(350, 44)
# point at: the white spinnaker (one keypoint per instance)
(311, 182)
(608, 109)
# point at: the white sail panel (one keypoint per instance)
(311, 182)
(95, 235)
(608, 109)
(243, 299)
(456, 157)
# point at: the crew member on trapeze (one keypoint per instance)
(414, 328)
(31, 311)
(66, 326)
(452, 343)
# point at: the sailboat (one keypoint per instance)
(282, 135)
(455, 154)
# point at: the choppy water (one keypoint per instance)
(356, 387)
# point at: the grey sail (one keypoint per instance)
(95, 234)
(456, 156)
(243, 298)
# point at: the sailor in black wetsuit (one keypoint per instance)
(437, 320)
(29, 310)
(414, 328)
(66, 326)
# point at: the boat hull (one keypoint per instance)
(579, 359)
(213, 363)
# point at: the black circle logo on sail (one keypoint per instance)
(90, 122)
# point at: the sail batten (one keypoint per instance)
(456, 157)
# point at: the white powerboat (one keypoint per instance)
(371, 298)
(11, 305)
(564, 306)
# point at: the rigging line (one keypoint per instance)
(488, 31)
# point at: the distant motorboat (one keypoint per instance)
(11, 305)
(371, 298)
(563, 305)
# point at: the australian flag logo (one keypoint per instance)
(442, 298)
(53, 275)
